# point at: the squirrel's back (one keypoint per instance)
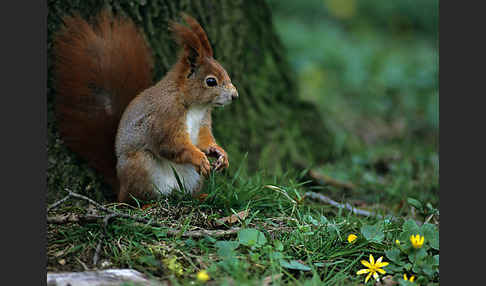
(99, 69)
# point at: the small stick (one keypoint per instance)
(347, 206)
(170, 231)
(323, 179)
(105, 228)
(82, 264)
(428, 218)
(72, 218)
(136, 218)
(56, 204)
(204, 232)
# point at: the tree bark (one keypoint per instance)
(269, 122)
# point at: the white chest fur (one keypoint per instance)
(162, 174)
(194, 118)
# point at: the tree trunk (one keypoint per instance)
(268, 123)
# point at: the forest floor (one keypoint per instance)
(250, 229)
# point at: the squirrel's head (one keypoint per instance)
(201, 78)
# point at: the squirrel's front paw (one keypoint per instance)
(201, 162)
(222, 158)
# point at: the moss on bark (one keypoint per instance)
(268, 122)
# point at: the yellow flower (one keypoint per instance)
(173, 265)
(352, 238)
(397, 242)
(202, 276)
(417, 241)
(373, 268)
(411, 278)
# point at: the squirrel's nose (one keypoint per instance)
(234, 92)
(234, 95)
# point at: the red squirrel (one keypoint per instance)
(135, 133)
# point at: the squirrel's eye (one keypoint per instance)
(211, 81)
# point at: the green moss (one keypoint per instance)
(269, 121)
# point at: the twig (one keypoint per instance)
(56, 204)
(347, 206)
(106, 219)
(72, 218)
(170, 231)
(89, 200)
(136, 218)
(323, 179)
(430, 217)
(97, 251)
(82, 264)
(204, 232)
(173, 232)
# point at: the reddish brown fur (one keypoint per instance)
(208, 145)
(104, 72)
(196, 48)
(199, 31)
(172, 141)
(98, 70)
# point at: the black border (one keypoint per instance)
(24, 142)
(43, 165)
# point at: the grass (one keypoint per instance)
(372, 72)
(305, 241)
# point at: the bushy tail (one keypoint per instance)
(99, 69)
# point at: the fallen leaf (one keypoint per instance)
(202, 197)
(233, 218)
(147, 206)
(387, 281)
(269, 279)
(62, 261)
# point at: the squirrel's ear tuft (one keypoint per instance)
(201, 34)
(186, 38)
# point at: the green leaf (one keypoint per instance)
(210, 239)
(428, 265)
(431, 209)
(394, 255)
(294, 264)
(254, 256)
(310, 219)
(418, 205)
(275, 255)
(436, 260)
(324, 220)
(393, 268)
(278, 245)
(373, 233)
(408, 266)
(417, 255)
(431, 235)
(251, 237)
(226, 248)
(410, 226)
(428, 270)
